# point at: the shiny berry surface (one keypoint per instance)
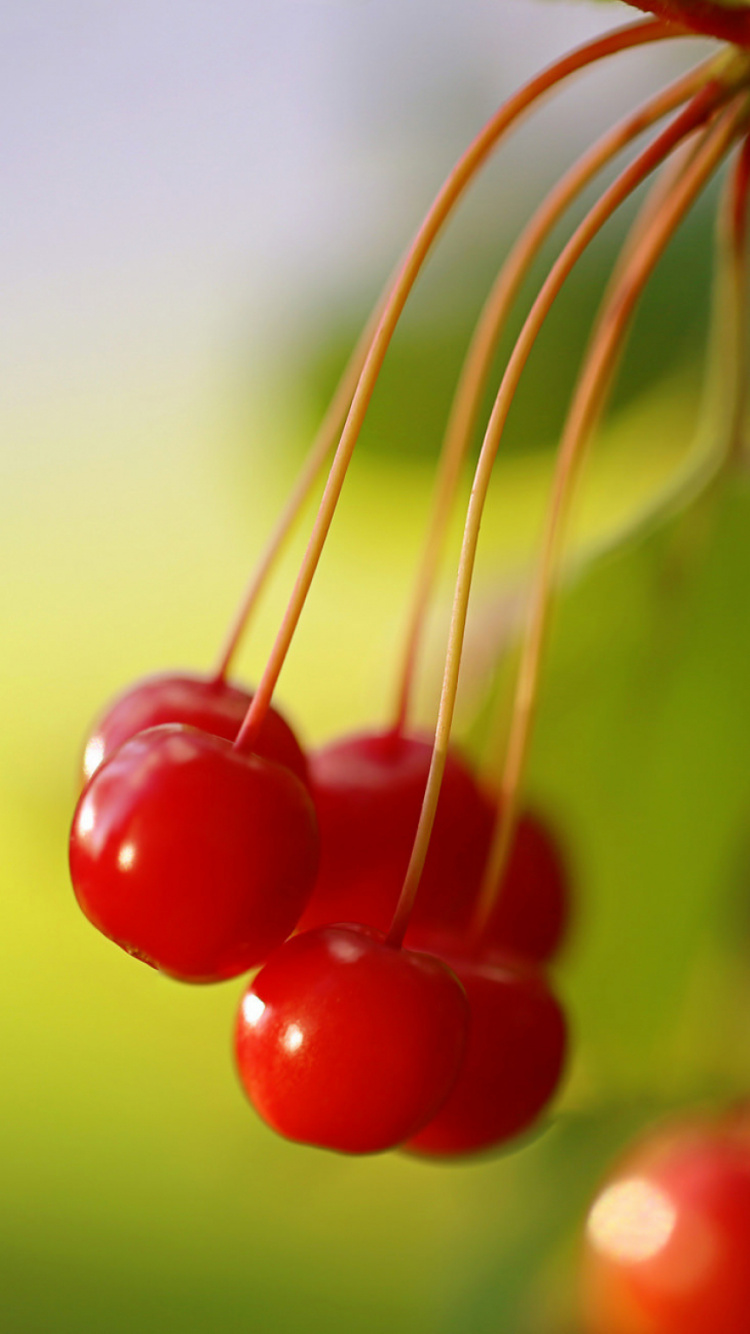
(368, 793)
(348, 1043)
(513, 1063)
(191, 856)
(211, 706)
(668, 1239)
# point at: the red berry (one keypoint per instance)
(195, 858)
(349, 1043)
(668, 1239)
(368, 793)
(532, 910)
(211, 706)
(513, 1062)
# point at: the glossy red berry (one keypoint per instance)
(210, 705)
(195, 858)
(668, 1239)
(513, 1063)
(349, 1043)
(368, 793)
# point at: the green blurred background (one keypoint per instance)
(202, 203)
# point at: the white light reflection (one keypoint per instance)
(93, 756)
(86, 817)
(180, 749)
(345, 947)
(126, 856)
(632, 1221)
(293, 1038)
(252, 1009)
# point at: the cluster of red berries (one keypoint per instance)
(207, 844)
(201, 860)
(400, 915)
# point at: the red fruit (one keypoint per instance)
(513, 1062)
(533, 908)
(349, 1043)
(211, 706)
(668, 1239)
(368, 793)
(193, 857)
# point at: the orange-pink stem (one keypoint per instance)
(478, 362)
(318, 454)
(587, 402)
(670, 173)
(684, 124)
(447, 198)
(734, 225)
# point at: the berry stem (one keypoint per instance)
(494, 750)
(732, 294)
(478, 362)
(587, 402)
(320, 450)
(738, 202)
(718, 442)
(468, 165)
(628, 181)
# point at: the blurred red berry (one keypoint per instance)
(513, 1063)
(668, 1238)
(210, 705)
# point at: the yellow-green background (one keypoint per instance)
(202, 203)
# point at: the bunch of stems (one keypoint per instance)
(715, 109)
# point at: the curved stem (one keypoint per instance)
(732, 276)
(320, 450)
(447, 198)
(738, 199)
(593, 384)
(490, 763)
(478, 362)
(617, 193)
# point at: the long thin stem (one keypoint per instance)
(660, 191)
(739, 199)
(447, 198)
(491, 761)
(478, 362)
(618, 192)
(594, 381)
(733, 222)
(319, 452)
